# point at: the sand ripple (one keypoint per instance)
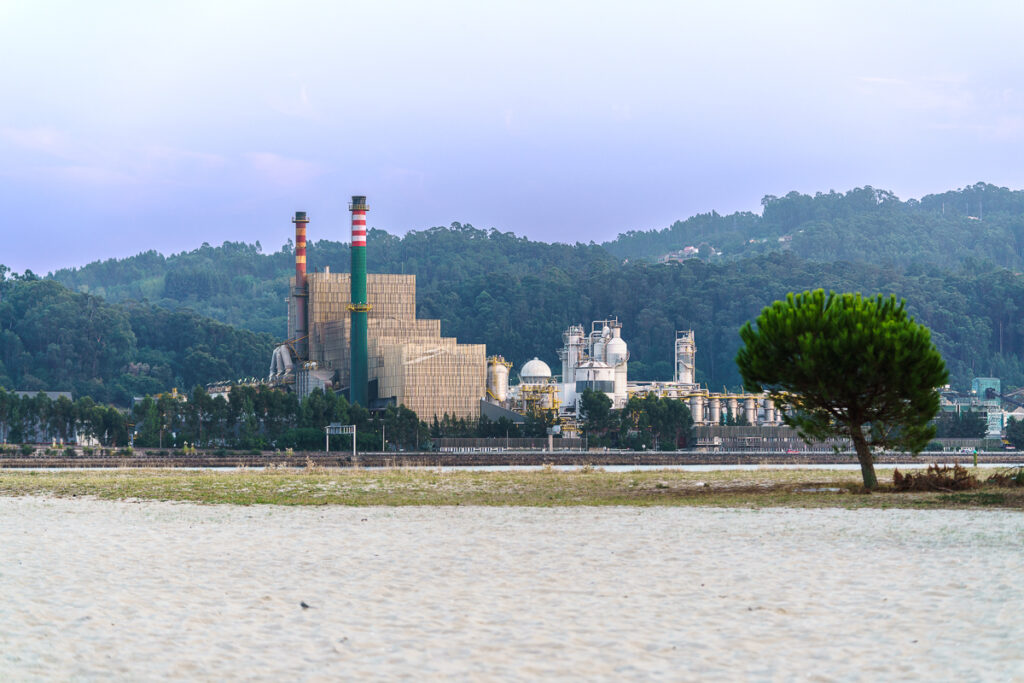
(93, 589)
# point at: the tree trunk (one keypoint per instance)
(867, 463)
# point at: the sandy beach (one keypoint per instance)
(98, 590)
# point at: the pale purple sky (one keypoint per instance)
(128, 126)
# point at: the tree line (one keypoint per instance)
(644, 423)
(262, 418)
(54, 339)
(981, 223)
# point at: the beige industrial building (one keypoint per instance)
(409, 359)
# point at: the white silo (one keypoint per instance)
(617, 354)
(497, 378)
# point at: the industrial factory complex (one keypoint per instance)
(359, 334)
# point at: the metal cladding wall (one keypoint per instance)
(359, 306)
(430, 374)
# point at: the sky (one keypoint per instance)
(129, 126)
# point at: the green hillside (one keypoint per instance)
(517, 296)
(978, 224)
(54, 339)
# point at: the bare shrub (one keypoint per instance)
(936, 478)
(1012, 476)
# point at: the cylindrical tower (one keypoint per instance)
(300, 293)
(617, 353)
(300, 222)
(697, 409)
(750, 411)
(686, 352)
(497, 378)
(360, 307)
(715, 404)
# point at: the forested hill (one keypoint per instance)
(53, 339)
(239, 284)
(517, 296)
(978, 224)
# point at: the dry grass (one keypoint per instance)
(316, 485)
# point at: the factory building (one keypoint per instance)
(599, 360)
(360, 332)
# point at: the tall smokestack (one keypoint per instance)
(300, 295)
(300, 222)
(358, 393)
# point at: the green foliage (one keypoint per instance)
(979, 223)
(40, 419)
(54, 339)
(967, 425)
(645, 422)
(262, 418)
(841, 364)
(596, 411)
(659, 423)
(1015, 433)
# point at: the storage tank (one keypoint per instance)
(750, 411)
(497, 378)
(598, 353)
(535, 371)
(617, 353)
(716, 411)
(697, 409)
(595, 375)
(615, 349)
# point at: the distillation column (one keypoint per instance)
(686, 352)
(359, 307)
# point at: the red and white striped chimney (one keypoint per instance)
(359, 225)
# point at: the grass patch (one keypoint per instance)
(542, 488)
(976, 499)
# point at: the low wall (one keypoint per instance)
(509, 458)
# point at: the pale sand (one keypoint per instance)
(99, 590)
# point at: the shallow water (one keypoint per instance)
(95, 589)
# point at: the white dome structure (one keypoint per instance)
(535, 371)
